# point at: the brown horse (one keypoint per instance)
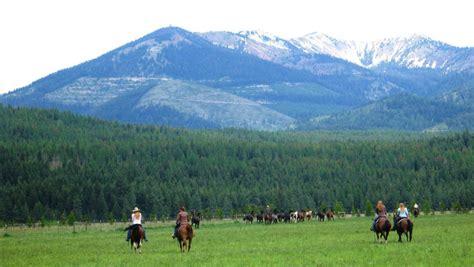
(300, 216)
(268, 218)
(330, 215)
(382, 228)
(136, 238)
(404, 226)
(185, 237)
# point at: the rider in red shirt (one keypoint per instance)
(181, 219)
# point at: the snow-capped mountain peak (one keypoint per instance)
(320, 43)
(412, 51)
(264, 38)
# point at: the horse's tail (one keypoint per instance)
(410, 228)
(387, 225)
(127, 228)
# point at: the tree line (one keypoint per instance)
(53, 164)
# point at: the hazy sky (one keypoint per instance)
(39, 37)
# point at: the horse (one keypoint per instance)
(248, 218)
(259, 218)
(404, 226)
(274, 218)
(294, 216)
(281, 216)
(416, 212)
(382, 228)
(196, 220)
(185, 237)
(330, 215)
(320, 216)
(136, 238)
(268, 218)
(301, 216)
(309, 215)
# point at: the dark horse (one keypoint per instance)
(196, 220)
(248, 218)
(404, 226)
(416, 212)
(382, 228)
(185, 237)
(137, 236)
(320, 216)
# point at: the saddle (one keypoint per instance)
(380, 217)
(182, 226)
(132, 227)
(401, 219)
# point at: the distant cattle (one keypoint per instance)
(259, 218)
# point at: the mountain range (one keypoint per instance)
(255, 80)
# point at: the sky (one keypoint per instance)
(41, 37)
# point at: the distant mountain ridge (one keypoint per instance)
(260, 81)
(415, 51)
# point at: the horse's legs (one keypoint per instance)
(189, 244)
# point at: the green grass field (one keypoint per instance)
(441, 240)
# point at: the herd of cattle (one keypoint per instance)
(287, 217)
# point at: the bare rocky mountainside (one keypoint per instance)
(259, 81)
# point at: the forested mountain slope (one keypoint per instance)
(53, 164)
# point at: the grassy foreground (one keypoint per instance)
(444, 240)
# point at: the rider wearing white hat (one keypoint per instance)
(136, 219)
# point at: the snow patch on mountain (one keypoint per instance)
(415, 51)
(265, 39)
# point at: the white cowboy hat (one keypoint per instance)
(135, 210)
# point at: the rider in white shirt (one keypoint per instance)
(136, 219)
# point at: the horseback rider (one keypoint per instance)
(136, 220)
(402, 213)
(380, 211)
(181, 219)
(268, 210)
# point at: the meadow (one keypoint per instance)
(439, 240)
